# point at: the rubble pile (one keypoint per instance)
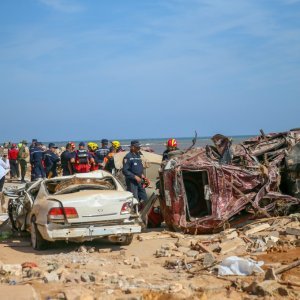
(239, 252)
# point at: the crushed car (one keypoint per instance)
(207, 189)
(75, 208)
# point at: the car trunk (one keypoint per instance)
(95, 206)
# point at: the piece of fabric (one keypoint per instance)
(4, 167)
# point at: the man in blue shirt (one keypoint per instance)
(36, 160)
(133, 171)
(51, 159)
(101, 153)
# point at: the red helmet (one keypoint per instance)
(172, 143)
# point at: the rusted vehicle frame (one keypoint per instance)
(247, 187)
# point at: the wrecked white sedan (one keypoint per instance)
(76, 208)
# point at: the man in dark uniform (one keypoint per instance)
(133, 171)
(36, 160)
(66, 157)
(101, 153)
(31, 148)
(51, 159)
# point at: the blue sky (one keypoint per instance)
(72, 69)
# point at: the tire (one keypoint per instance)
(37, 241)
(127, 241)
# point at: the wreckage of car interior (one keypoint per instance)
(207, 189)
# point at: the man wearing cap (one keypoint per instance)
(133, 171)
(36, 160)
(83, 160)
(23, 157)
(51, 159)
(101, 153)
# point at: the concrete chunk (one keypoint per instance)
(292, 231)
(257, 228)
(231, 245)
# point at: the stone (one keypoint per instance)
(229, 234)
(208, 260)
(183, 249)
(126, 262)
(192, 253)
(292, 231)
(162, 253)
(265, 288)
(169, 246)
(29, 265)
(12, 269)
(231, 245)
(82, 249)
(107, 250)
(91, 250)
(257, 228)
(175, 287)
(51, 277)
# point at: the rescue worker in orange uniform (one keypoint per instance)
(171, 146)
(83, 160)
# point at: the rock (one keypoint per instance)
(51, 277)
(126, 262)
(162, 253)
(208, 260)
(85, 277)
(123, 253)
(257, 228)
(270, 275)
(228, 234)
(183, 249)
(265, 288)
(192, 253)
(292, 231)
(82, 249)
(52, 266)
(12, 269)
(107, 250)
(169, 246)
(231, 245)
(175, 287)
(91, 250)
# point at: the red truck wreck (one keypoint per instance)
(205, 189)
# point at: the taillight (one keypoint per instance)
(59, 213)
(126, 208)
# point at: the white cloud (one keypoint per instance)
(63, 6)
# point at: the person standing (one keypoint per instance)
(51, 159)
(101, 153)
(171, 146)
(83, 160)
(13, 161)
(133, 171)
(4, 169)
(65, 158)
(23, 157)
(36, 160)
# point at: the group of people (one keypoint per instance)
(45, 162)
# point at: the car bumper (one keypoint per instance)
(86, 233)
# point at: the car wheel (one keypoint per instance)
(37, 241)
(127, 239)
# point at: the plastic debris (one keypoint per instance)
(234, 265)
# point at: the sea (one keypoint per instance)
(158, 145)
